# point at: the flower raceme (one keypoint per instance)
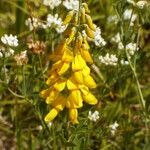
(70, 81)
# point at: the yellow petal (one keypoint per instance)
(86, 55)
(60, 85)
(72, 84)
(86, 71)
(45, 93)
(51, 115)
(75, 99)
(78, 76)
(90, 99)
(52, 96)
(78, 63)
(73, 115)
(53, 78)
(59, 103)
(68, 17)
(84, 89)
(67, 56)
(89, 82)
(60, 67)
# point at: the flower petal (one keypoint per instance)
(51, 115)
(89, 82)
(73, 115)
(60, 85)
(90, 99)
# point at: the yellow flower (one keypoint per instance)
(73, 115)
(70, 80)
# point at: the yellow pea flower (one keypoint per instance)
(73, 115)
(75, 99)
(89, 82)
(51, 115)
(78, 63)
(90, 99)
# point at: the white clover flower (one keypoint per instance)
(21, 58)
(99, 41)
(141, 4)
(56, 22)
(71, 4)
(132, 48)
(10, 40)
(128, 15)
(116, 38)
(109, 59)
(6, 52)
(93, 116)
(124, 62)
(114, 19)
(33, 23)
(52, 3)
(113, 127)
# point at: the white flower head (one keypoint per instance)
(56, 22)
(132, 48)
(124, 62)
(129, 15)
(113, 127)
(98, 40)
(10, 40)
(109, 59)
(93, 116)
(33, 23)
(113, 19)
(141, 4)
(21, 58)
(52, 3)
(116, 38)
(71, 4)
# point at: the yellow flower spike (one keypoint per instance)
(52, 96)
(86, 55)
(72, 84)
(75, 99)
(83, 15)
(68, 17)
(90, 99)
(73, 115)
(60, 85)
(89, 32)
(78, 76)
(86, 71)
(51, 115)
(90, 22)
(89, 82)
(67, 56)
(86, 7)
(59, 103)
(72, 35)
(78, 63)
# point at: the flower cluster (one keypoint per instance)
(21, 58)
(93, 116)
(71, 4)
(113, 127)
(109, 59)
(70, 81)
(10, 40)
(52, 3)
(56, 22)
(6, 52)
